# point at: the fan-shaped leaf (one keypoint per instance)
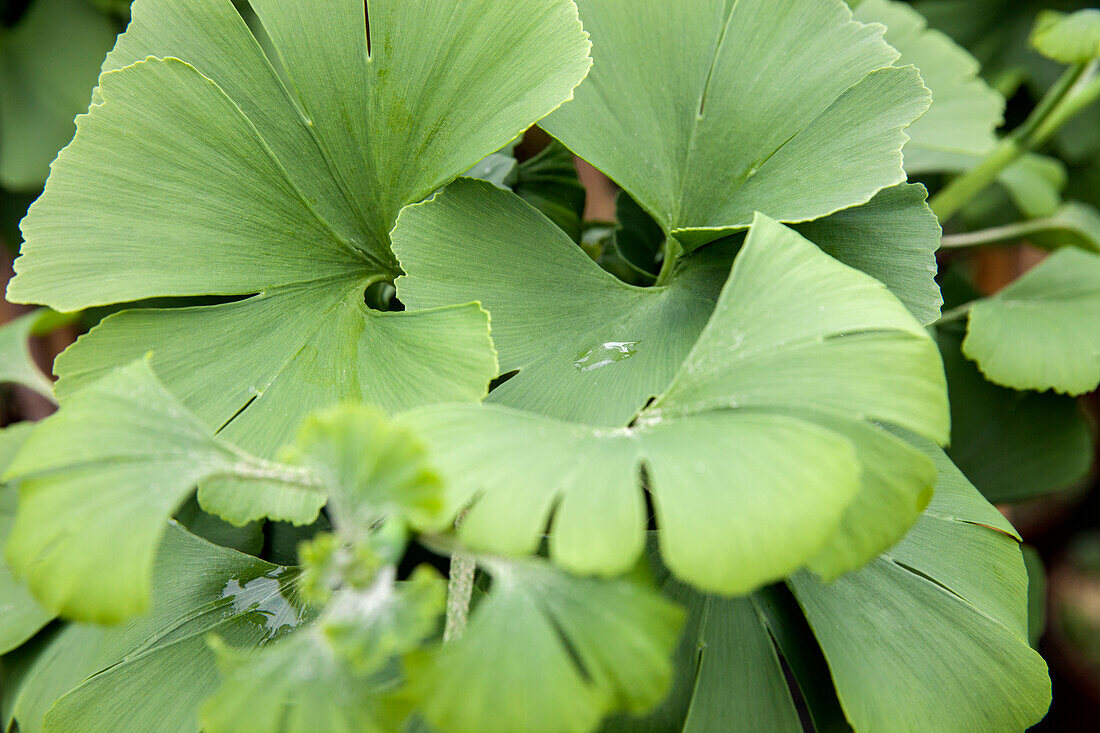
(16, 363)
(1069, 38)
(280, 179)
(1042, 331)
(563, 650)
(690, 108)
(745, 403)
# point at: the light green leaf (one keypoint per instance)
(1011, 445)
(1068, 38)
(16, 363)
(746, 402)
(689, 108)
(286, 194)
(1042, 331)
(933, 635)
(48, 66)
(20, 615)
(153, 673)
(91, 516)
(312, 681)
(373, 470)
(964, 112)
(547, 651)
(893, 238)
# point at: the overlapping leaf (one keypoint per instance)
(1069, 38)
(551, 652)
(91, 516)
(153, 673)
(965, 111)
(809, 473)
(1042, 331)
(691, 110)
(280, 179)
(933, 635)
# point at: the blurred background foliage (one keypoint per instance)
(1032, 453)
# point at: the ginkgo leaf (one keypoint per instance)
(1069, 38)
(1011, 445)
(744, 403)
(549, 182)
(48, 66)
(372, 468)
(91, 517)
(548, 651)
(280, 179)
(689, 109)
(16, 363)
(151, 674)
(20, 615)
(311, 681)
(965, 111)
(933, 635)
(588, 346)
(1042, 331)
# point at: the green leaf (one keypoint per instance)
(549, 182)
(91, 517)
(1033, 182)
(16, 363)
(548, 651)
(285, 193)
(373, 470)
(893, 238)
(1068, 38)
(310, 682)
(933, 635)
(1042, 331)
(638, 238)
(720, 126)
(1011, 445)
(965, 112)
(153, 673)
(20, 615)
(48, 66)
(745, 402)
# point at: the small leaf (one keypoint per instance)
(549, 182)
(548, 651)
(373, 470)
(1068, 38)
(16, 363)
(1042, 331)
(719, 126)
(313, 682)
(934, 633)
(91, 517)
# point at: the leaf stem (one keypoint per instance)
(673, 251)
(1076, 89)
(460, 589)
(994, 235)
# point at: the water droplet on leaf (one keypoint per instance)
(609, 352)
